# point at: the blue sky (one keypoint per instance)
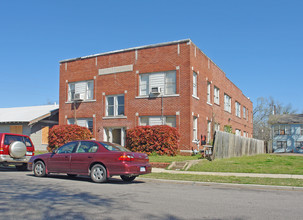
(258, 44)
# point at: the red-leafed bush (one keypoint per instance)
(62, 134)
(159, 139)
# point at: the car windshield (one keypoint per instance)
(12, 138)
(114, 147)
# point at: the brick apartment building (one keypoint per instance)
(172, 83)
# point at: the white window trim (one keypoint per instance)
(164, 119)
(208, 92)
(216, 95)
(86, 99)
(115, 106)
(164, 83)
(227, 103)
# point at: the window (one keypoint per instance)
(282, 130)
(238, 109)
(301, 129)
(216, 95)
(157, 120)
(84, 122)
(67, 148)
(299, 146)
(227, 103)
(238, 132)
(208, 92)
(281, 145)
(195, 128)
(87, 147)
(115, 105)
(165, 80)
(244, 134)
(208, 131)
(195, 93)
(244, 112)
(84, 88)
(217, 127)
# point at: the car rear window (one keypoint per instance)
(12, 138)
(114, 147)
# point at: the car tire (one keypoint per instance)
(128, 178)
(22, 167)
(39, 169)
(71, 175)
(98, 173)
(17, 149)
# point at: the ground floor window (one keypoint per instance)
(299, 146)
(84, 122)
(281, 145)
(158, 120)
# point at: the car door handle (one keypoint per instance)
(89, 157)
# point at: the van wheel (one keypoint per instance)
(98, 173)
(22, 167)
(39, 169)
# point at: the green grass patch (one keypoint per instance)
(227, 179)
(169, 159)
(40, 152)
(264, 163)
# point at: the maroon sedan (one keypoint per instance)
(99, 160)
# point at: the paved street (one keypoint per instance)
(24, 196)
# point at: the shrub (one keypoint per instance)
(159, 139)
(62, 134)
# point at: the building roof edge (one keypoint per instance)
(128, 49)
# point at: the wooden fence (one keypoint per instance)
(229, 145)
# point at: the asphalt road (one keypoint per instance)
(23, 196)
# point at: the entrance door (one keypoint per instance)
(115, 135)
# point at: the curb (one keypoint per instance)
(226, 185)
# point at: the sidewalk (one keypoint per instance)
(282, 176)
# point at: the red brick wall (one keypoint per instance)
(153, 59)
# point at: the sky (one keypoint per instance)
(258, 44)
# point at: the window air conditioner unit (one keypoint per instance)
(155, 90)
(79, 97)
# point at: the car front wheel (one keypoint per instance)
(127, 178)
(39, 169)
(98, 173)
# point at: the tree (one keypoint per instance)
(264, 109)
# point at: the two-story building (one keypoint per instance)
(287, 133)
(172, 83)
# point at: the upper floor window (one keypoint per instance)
(301, 129)
(158, 120)
(217, 95)
(227, 103)
(115, 105)
(83, 90)
(282, 130)
(238, 109)
(244, 112)
(166, 81)
(195, 85)
(208, 92)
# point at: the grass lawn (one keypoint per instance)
(169, 159)
(227, 179)
(264, 163)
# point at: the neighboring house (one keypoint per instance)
(287, 133)
(33, 121)
(172, 83)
